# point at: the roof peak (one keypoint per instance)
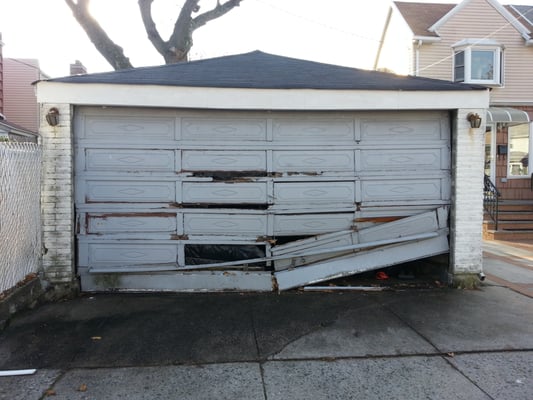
(260, 70)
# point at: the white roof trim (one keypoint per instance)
(497, 6)
(477, 42)
(257, 99)
(427, 39)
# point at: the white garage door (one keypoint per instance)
(159, 191)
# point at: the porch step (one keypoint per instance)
(518, 216)
(509, 236)
(516, 205)
(511, 225)
(515, 222)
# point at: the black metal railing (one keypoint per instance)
(490, 200)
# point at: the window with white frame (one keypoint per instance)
(478, 61)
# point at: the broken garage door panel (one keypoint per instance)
(361, 262)
(295, 252)
(311, 252)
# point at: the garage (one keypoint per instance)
(177, 186)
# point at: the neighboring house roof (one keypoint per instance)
(524, 15)
(14, 131)
(258, 70)
(424, 18)
(421, 16)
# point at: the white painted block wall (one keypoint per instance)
(57, 201)
(467, 195)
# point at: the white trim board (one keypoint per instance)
(257, 99)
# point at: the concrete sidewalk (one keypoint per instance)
(509, 265)
(410, 344)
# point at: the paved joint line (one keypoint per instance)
(261, 369)
(442, 356)
(456, 368)
(303, 359)
(321, 325)
(410, 326)
(291, 341)
(45, 394)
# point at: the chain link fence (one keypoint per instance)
(20, 215)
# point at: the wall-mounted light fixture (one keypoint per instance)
(52, 117)
(474, 119)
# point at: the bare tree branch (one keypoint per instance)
(218, 11)
(180, 42)
(175, 49)
(145, 6)
(112, 53)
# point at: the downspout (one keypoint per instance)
(380, 46)
(417, 57)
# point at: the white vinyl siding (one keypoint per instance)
(478, 19)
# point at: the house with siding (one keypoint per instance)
(20, 101)
(477, 42)
(9, 130)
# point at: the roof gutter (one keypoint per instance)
(426, 39)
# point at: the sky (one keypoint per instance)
(343, 32)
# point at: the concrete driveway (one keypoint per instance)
(431, 343)
(414, 344)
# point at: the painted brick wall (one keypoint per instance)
(467, 194)
(57, 197)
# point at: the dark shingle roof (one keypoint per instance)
(16, 132)
(524, 15)
(258, 70)
(421, 16)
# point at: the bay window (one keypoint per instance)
(478, 61)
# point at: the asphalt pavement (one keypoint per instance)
(405, 343)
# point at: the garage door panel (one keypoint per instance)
(311, 224)
(225, 224)
(316, 130)
(129, 160)
(314, 193)
(132, 223)
(113, 254)
(139, 191)
(197, 160)
(400, 131)
(223, 129)
(225, 193)
(402, 189)
(130, 129)
(313, 161)
(406, 159)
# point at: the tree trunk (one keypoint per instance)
(113, 53)
(175, 49)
